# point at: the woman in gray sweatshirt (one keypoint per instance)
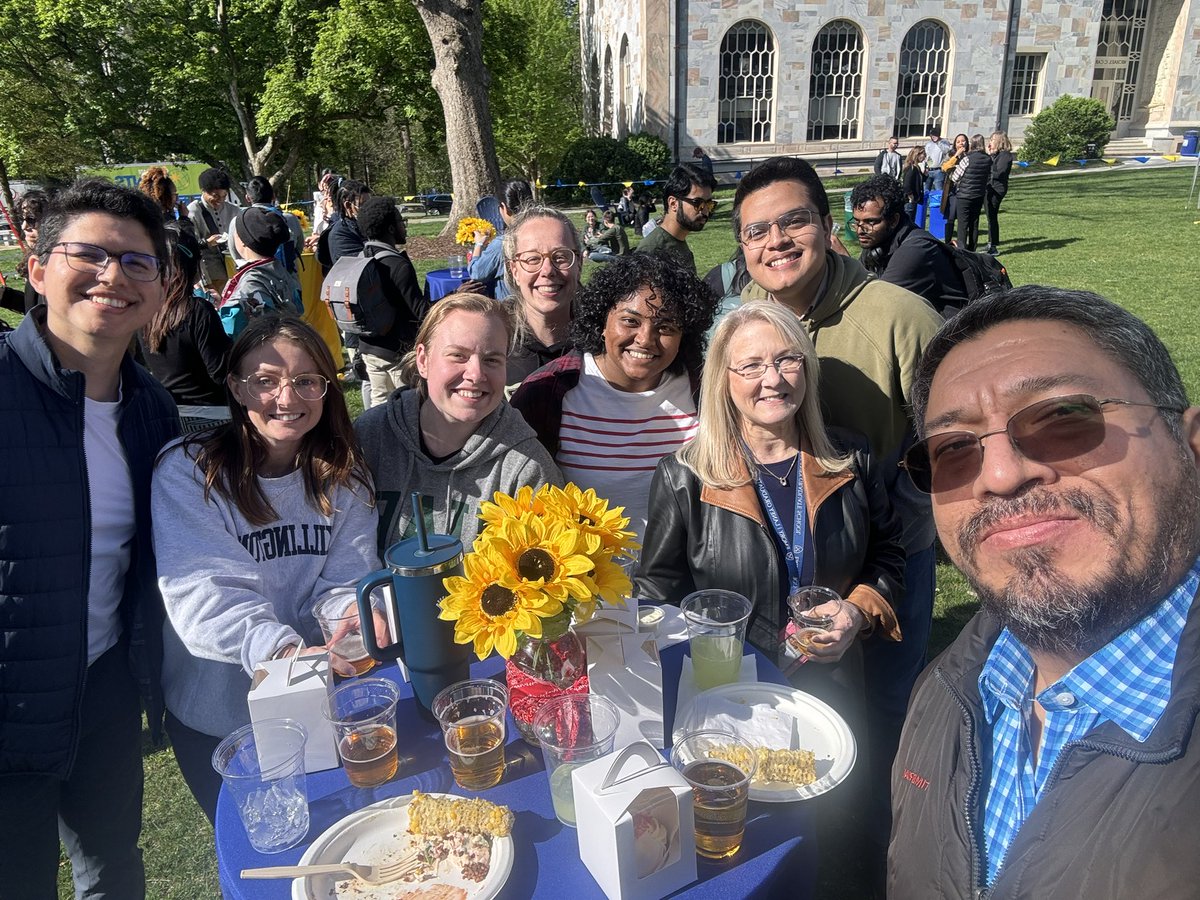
(451, 435)
(256, 522)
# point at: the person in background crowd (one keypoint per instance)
(487, 264)
(81, 425)
(889, 161)
(323, 207)
(286, 462)
(869, 336)
(687, 204)
(1051, 750)
(936, 151)
(156, 184)
(643, 210)
(449, 433)
(626, 207)
(609, 241)
(259, 192)
(382, 225)
(542, 269)
(345, 239)
(211, 216)
(629, 385)
(970, 179)
(912, 180)
(261, 285)
(28, 212)
(1000, 149)
(703, 160)
(591, 228)
(900, 253)
(184, 345)
(962, 145)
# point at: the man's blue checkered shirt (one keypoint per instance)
(1126, 682)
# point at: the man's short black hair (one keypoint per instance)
(379, 219)
(683, 178)
(779, 168)
(259, 190)
(95, 195)
(883, 188)
(214, 180)
(349, 193)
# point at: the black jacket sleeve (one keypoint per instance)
(663, 572)
(212, 343)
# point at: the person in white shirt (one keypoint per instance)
(936, 151)
(889, 161)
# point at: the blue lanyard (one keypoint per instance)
(794, 557)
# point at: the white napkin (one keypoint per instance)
(759, 724)
(688, 692)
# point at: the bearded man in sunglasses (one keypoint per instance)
(80, 614)
(687, 199)
(1051, 752)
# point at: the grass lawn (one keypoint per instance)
(1126, 233)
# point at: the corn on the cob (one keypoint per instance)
(791, 766)
(437, 815)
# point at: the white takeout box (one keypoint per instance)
(609, 620)
(609, 792)
(295, 688)
(626, 669)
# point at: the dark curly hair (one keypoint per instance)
(379, 219)
(883, 188)
(682, 296)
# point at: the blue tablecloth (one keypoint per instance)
(440, 282)
(777, 858)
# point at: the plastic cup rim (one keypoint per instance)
(327, 709)
(493, 687)
(233, 738)
(570, 699)
(728, 737)
(694, 617)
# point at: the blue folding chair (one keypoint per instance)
(489, 208)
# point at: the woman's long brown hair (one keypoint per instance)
(231, 455)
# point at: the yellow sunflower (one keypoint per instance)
(502, 506)
(549, 557)
(486, 606)
(592, 514)
(609, 584)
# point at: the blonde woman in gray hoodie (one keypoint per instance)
(449, 433)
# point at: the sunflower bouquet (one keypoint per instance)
(543, 561)
(467, 228)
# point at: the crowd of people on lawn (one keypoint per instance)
(814, 419)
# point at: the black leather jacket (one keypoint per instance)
(702, 537)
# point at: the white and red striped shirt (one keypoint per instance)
(612, 440)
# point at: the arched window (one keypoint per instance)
(747, 86)
(835, 85)
(606, 107)
(596, 120)
(626, 118)
(924, 62)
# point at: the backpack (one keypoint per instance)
(236, 312)
(981, 274)
(353, 292)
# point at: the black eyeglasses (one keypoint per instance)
(93, 260)
(1049, 431)
(792, 223)
(562, 258)
(704, 206)
(784, 365)
(263, 387)
(861, 225)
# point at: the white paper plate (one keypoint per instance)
(368, 836)
(820, 728)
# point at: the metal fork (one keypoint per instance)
(367, 874)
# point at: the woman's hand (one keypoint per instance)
(829, 646)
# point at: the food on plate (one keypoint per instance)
(791, 766)
(651, 843)
(446, 867)
(442, 815)
(398, 891)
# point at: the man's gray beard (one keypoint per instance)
(1050, 613)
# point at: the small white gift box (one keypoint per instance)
(635, 825)
(295, 688)
(626, 669)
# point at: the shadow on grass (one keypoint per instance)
(1036, 244)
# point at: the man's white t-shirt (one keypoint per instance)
(110, 492)
(612, 440)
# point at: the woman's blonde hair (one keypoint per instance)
(529, 213)
(438, 313)
(718, 455)
(1000, 141)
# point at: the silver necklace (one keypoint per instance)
(783, 481)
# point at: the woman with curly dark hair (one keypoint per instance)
(626, 396)
(156, 184)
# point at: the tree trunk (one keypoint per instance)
(410, 158)
(7, 197)
(456, 31)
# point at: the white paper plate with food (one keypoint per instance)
(804, 747)
(455, 863)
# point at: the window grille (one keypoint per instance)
(747, 87)
(924, 63)
(835, 86)
(1026, 82)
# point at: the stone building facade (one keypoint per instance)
(748, 79)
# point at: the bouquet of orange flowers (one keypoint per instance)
(544, 560)
(468, 226)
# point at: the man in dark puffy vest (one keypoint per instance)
(80, 616)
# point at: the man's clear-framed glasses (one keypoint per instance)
(263, 386)
(858, 226)
(93, 260)
(792, 223)
(784, 365)
(561, 258)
